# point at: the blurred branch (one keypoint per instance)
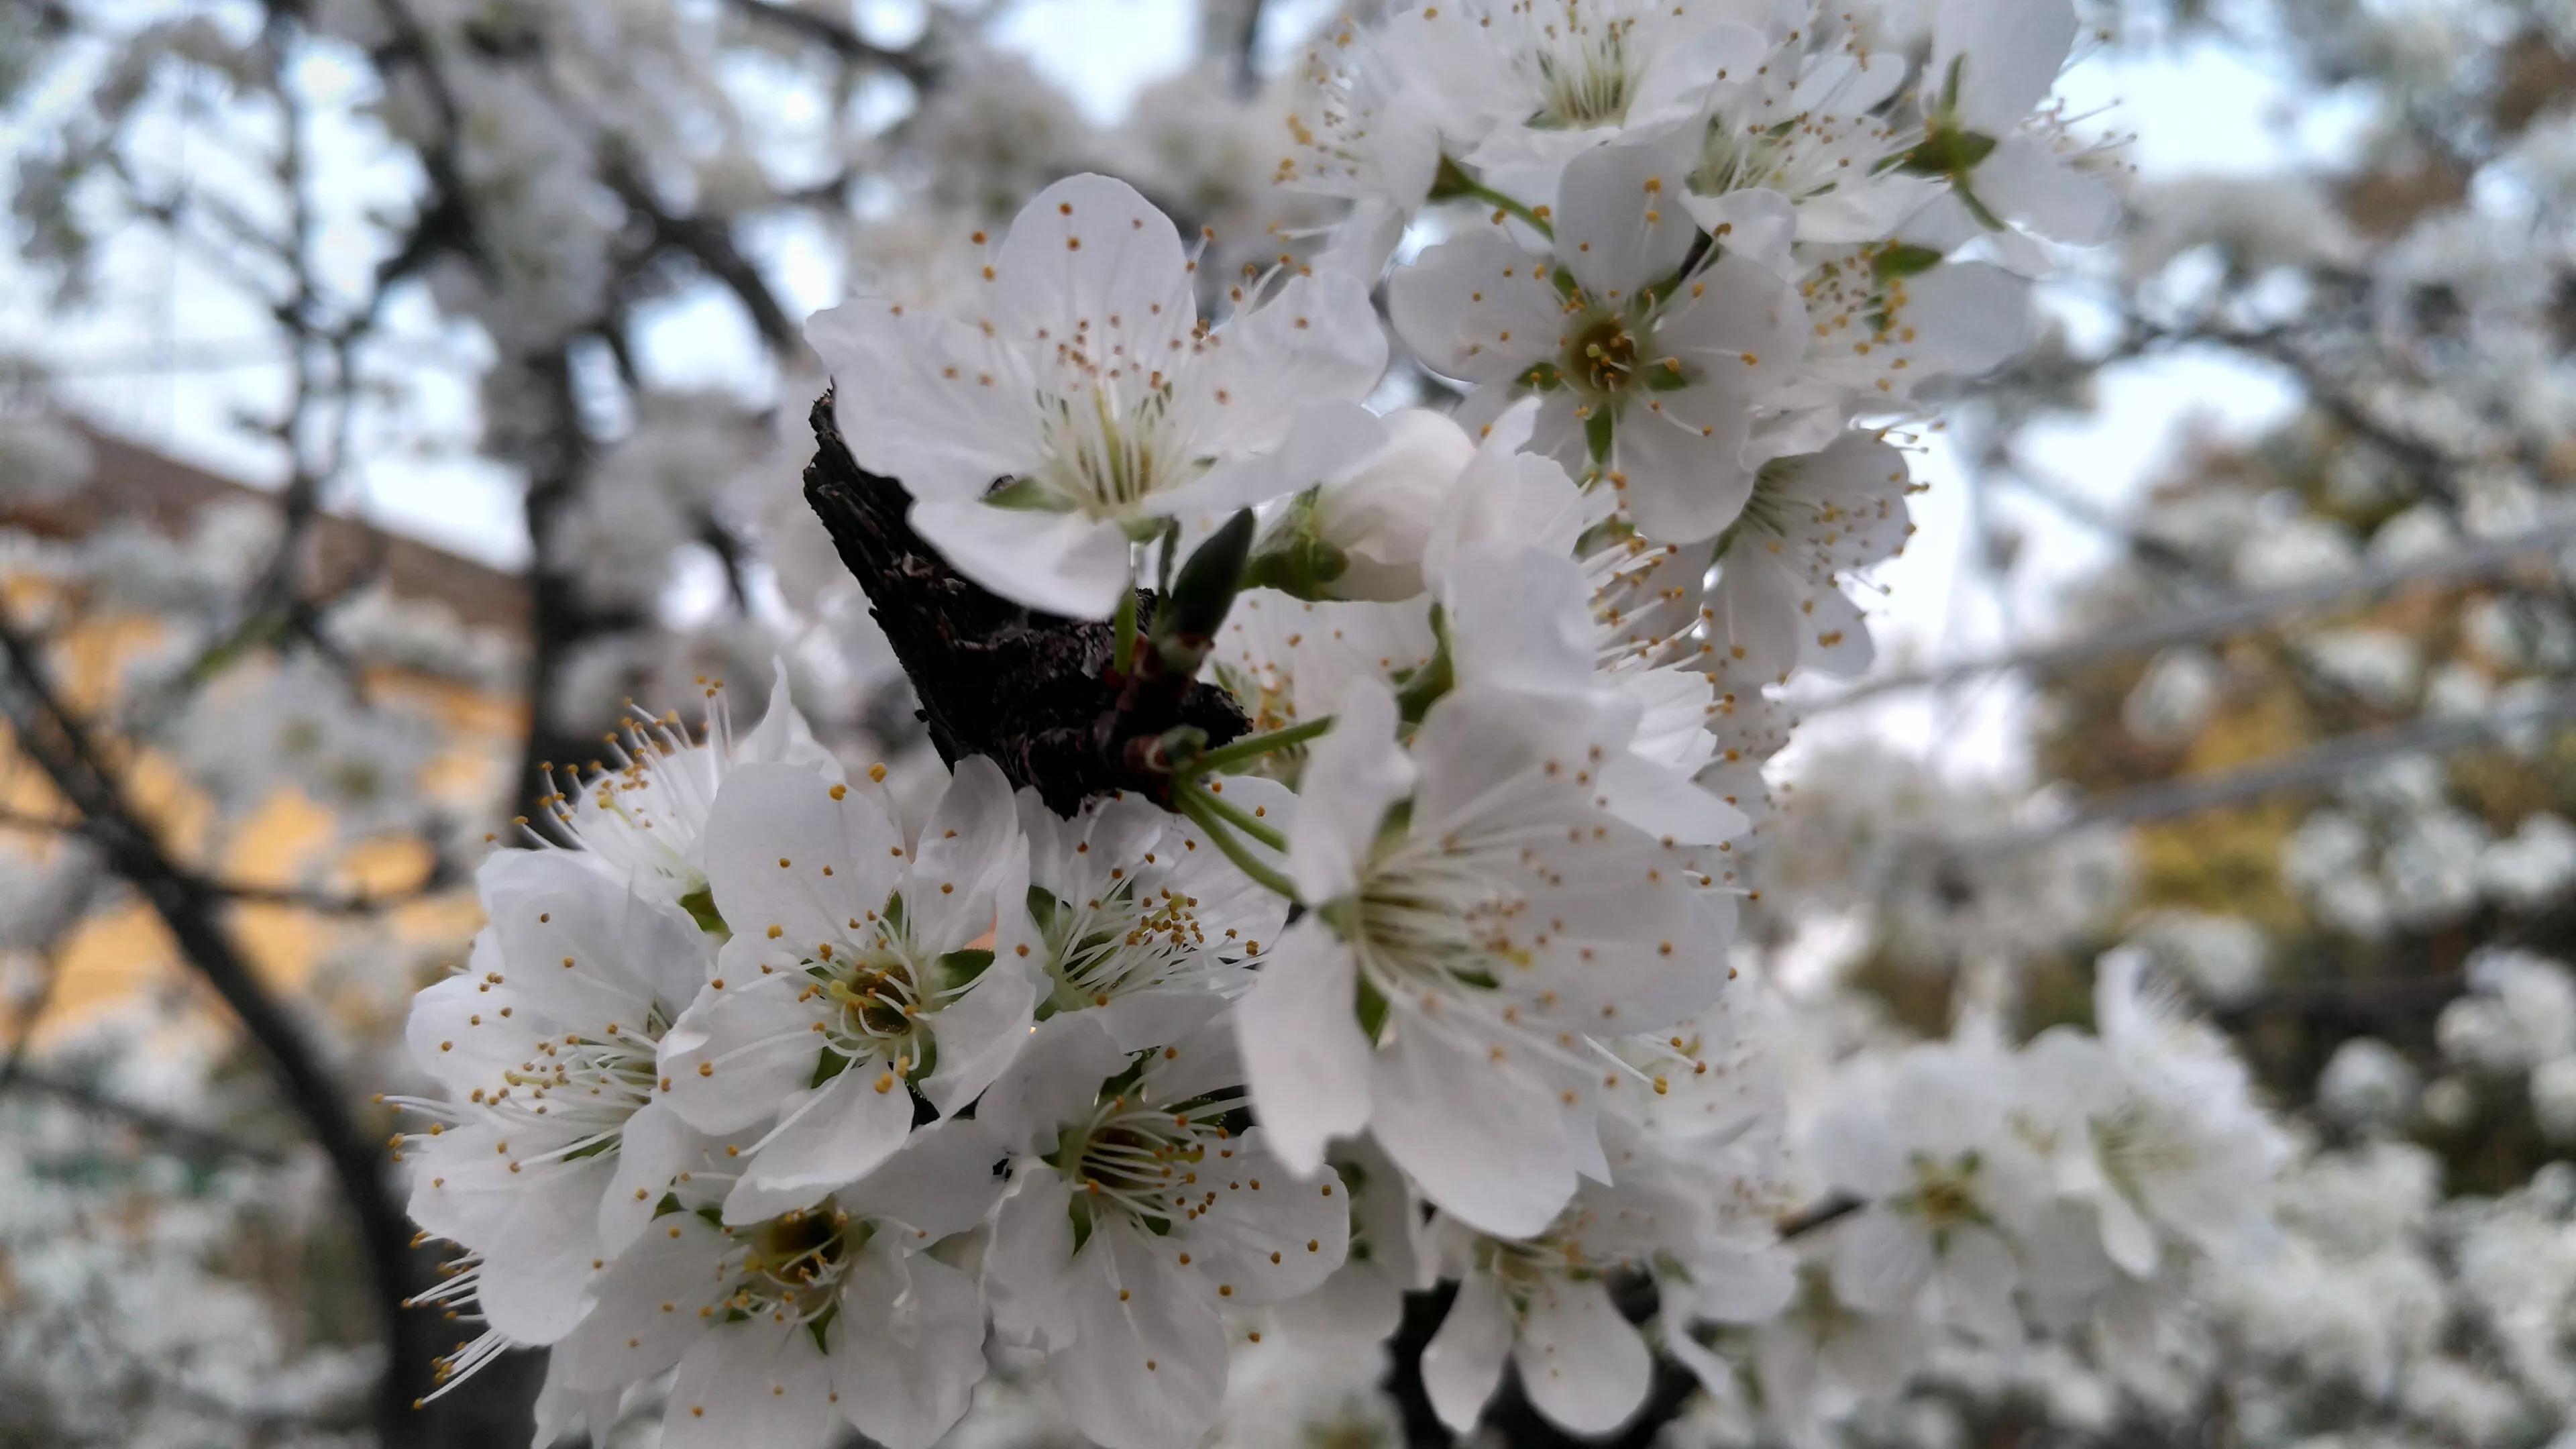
(2362, 1003)
(2225, 617)
(2319, 764)
(54, 737)
(1247, 44)
(443, 874)
(1820, 1213)
(911, 64)
(710, 244)
(177, 1135)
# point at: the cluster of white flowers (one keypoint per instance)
(822, 1107)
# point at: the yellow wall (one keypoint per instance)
(122, 950)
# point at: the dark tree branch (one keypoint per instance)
(843, 41)
(178, 1135)
(1034, 692)
(53, 736)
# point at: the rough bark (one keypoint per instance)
(1034, 692)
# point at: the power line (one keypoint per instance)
(2319, 764)
(2227, 616)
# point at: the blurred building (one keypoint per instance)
(286, 842)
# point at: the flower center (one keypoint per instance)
(1142, 1158)
(1432, 920)
(1584, 73)
(1123, 940)
(793, 1264)
(1105, 453)
(879, 1000)
(1603, 355)
(583, 1085)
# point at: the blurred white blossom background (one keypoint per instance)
(2148, 1010)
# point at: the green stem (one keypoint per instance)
(1240, 818)
(1253, 747)
(1194, 804)
(1502, 202)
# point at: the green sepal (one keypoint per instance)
(1542, 377)
(1027, 495)
(959, 969)
(1450, 182)
(1947, 151)
(1904, 259)
(1371, 1009)
(701, 906)
(1293, 556)
(1187, 619)
(1423, 687)
(827, 1065)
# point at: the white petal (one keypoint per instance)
(941, 1181)
(1972, 315)
(2126, 1236)
(1264, 1234)
(1622, 226)
(1582, 1364)
(1059, 563)
(2009, 52)
(457, 1034)
(1147, 1365)
(651, 1150)
(1881, 1260)
(1463, 1363)
(1317, 340)
(1520, 619)
(783, 737)
(1303, 1055)
(1757, 223)
(979, 1033)
(2024, 181)
(1085, 251)
(757, 1382)
(1054, 1077)
(927, 401)
(549, 907)
(774, 832)
(648, 1302)
(1682, 464)
(1354, 774)
(559, 1407)
(970, 845)
(536, 1273)
(907, 1347)
(1977, 1277)
(1027, 1270)
(737, 1053)
(1679, 76)
(1487, 1143)
(1322, 439)
(1833, 635)
(1476, 307)
(829, 1135)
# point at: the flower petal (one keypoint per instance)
(1303, 1055)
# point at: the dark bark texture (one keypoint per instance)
(1035, 692)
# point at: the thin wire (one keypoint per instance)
(2321, 763)
(2227, 616)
